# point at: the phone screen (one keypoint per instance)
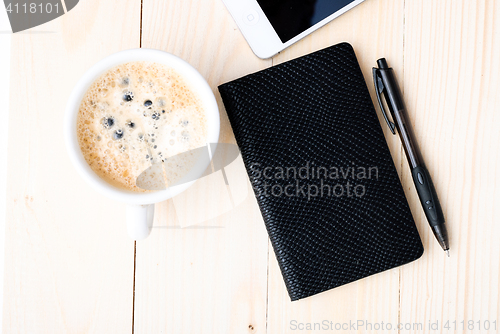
(291, 17)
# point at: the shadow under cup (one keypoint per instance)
(140, 205)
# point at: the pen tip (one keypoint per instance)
(448, 252)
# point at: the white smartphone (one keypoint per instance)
(270, 26)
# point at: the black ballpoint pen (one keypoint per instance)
(385, 83)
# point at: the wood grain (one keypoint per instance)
(69, 265)
(371, 38)
(209, 278)
(452, 86)
(68, 259)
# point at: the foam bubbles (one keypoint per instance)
(114, 118)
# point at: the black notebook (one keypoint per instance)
(321, 171)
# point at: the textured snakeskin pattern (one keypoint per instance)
(316, 111)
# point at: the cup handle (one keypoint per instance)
(139, 220)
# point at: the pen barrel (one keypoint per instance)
(401, 119)
(393, 95)
(385, 83)
(428, 197)
(408, 140)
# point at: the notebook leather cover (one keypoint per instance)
(321, 171)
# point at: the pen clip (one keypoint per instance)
(379, 88)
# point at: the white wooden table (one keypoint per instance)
(71, 268)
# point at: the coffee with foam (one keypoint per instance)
(137, 115)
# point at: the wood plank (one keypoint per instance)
(69, 263)
(68, 259)
(376, 298)
(452, 88)
(209, 278)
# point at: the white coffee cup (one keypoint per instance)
(140, 206)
